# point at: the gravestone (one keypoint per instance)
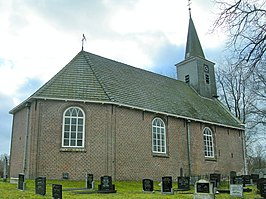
(89, 181)
(57, 191)
(246, 180)
(65, 176)
(21, 181)
(5, 170)
(260, 182)
(255, 178)
(239, 180)
(147, 185)
(203, 190)
(263, 189)
(167, 185)
(215, 178)
(40, 185)
(261, 174)
(236, 190)
(181, 172)
(232, 177)
(183, 183)
(106, 185)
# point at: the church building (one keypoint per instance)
(104, 117)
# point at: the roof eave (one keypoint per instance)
(29, 100)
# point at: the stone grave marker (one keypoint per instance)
(263, 189)
(65, 175)
(5, 170)
(167, 185)
(232, 177)
(21, 181)
(246, 180)
(40, 186)
(236, 190)
(89, 181)
(203, 190)
(215, 178)
(260, 182)
(261, 174)
(106, 185)
(239, 180)
(254, 178)
(57, 191)
(147, 185)
(183, 183)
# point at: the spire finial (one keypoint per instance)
(189, 8)
(83, 39)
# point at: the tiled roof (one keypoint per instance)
(90, 77)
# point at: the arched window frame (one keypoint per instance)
(73, 131)
(208, 141)
(158, 136)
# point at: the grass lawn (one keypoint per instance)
(125, 189)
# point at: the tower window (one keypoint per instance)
(207, 78)
(187, 80)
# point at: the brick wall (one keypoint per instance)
(118, 142)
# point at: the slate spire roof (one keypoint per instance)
(95, 79)
(193, 46)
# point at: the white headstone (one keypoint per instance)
(236, 190)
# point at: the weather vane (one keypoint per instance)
(83, 40)
(189, 8)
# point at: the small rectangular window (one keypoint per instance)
(187, 80)
(207, 78)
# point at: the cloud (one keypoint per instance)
(38, 38)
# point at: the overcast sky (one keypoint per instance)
(39, 37)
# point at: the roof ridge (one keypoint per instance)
(98, 78)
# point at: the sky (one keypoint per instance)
(39, 37)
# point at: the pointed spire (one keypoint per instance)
(193, 46)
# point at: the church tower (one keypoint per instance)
(195, 70)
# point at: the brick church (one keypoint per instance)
(100, 116)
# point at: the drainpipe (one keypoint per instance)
(188, 147)
(244, 152)
(26, 137)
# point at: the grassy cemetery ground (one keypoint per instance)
(125, 189)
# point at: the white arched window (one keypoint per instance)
(208, 143)
(158, 136)
(73, 127)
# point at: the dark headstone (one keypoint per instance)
(215, 178)
(263, 189)
(183, 183)
(246, 179)
(203, 187)
(232, 177)
(147, 185)
(65, 176)
(89, 181)
(40, 185)
(21, 181)
(260, 182)
(254, 178)
(5, 170)
(181, 172)
(106, 185)
(239, 180)
(57, 191)
(167, 184)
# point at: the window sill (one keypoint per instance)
(72, 150)
(210, 159)
(159, 155)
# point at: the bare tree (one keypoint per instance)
(245, 23)
(244, 95)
